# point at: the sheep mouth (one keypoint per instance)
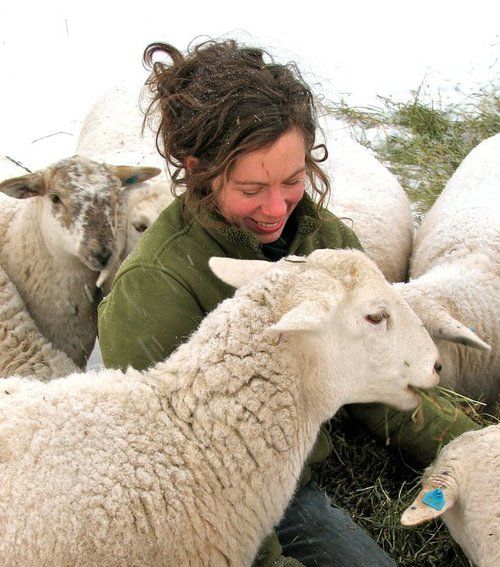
(418, 390)
(421, 394)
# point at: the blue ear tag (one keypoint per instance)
(434, 499)
(131, 180)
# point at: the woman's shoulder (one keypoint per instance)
(338, 232)
(171, 236)
(174, 247)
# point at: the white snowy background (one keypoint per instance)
(57, 57)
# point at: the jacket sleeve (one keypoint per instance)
(148, 313)
(350, 239)
(442, 422)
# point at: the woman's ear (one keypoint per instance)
(190, 163)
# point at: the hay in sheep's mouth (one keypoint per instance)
(418, 413)
(470, 406)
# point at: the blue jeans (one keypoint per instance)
(319, 535)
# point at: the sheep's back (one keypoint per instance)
(369, 198)
(465, 219)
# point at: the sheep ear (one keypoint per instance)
(238, 272)
(25, 186)
(419, 512)
(129, 175)
(308, 316)
(441, 325)
(438, 322)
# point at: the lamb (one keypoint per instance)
(113, 132)
(455, 269)
(368, 196)
(64, 225)
(193, 461)
(463, 487)
(23, 349)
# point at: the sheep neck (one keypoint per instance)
(237, 397)
(54, 289)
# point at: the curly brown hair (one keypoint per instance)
(221, 100)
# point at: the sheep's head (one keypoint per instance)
(356, 337)
(462, 486)
(82, 207)
(144, 204)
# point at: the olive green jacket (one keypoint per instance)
(165, 288)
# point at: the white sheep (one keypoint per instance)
(23, 349)
(64, 225)
(113, 132)
(193, 461)
(455, 270)
(466, 476)
(369, 198)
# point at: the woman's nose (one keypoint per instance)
(274, 205)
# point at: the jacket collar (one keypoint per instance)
(304, 215)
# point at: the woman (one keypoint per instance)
(239, 133)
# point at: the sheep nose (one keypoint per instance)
(103, 256)
(438, 367)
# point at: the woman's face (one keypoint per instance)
(265, 186)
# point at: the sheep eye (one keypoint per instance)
(55, 199)
(376, 318)
(140, 227)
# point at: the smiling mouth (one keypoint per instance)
(268, 224)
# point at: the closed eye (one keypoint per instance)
(376, 318)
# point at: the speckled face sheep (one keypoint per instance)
(64, 226)
(455, 285)
(463, 487)
(193, 461)
(113, 132)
